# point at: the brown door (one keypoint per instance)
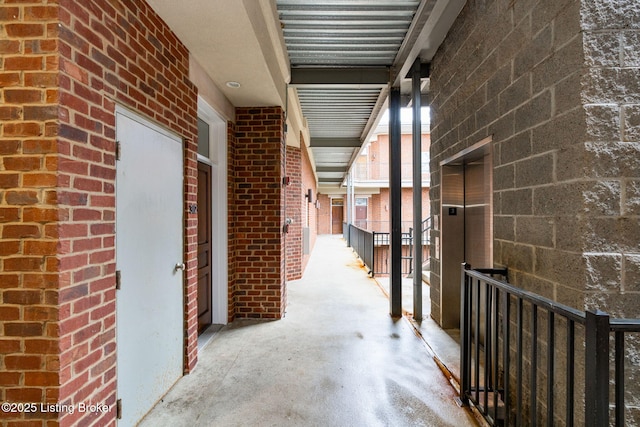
(204, 246)
(336, 219)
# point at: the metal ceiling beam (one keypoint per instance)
(335, 142)
(330, 169)
(430, 25)
(320, 180)
(356, 76)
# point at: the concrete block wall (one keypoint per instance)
(513, 71)
(610, 156)
(259, 200)
(555, 85)
(65, 67)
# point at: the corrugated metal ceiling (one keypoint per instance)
(345, 32)
(342, 34)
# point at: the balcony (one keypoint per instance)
(377, 174)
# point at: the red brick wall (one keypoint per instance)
(295, 192)
(231, 219)
(259, 213)
(64, 69)
(29, 266)
(308, 181)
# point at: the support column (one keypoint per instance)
(395, 203)
(348, 198)
(417, 190)
(347, 203)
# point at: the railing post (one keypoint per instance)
(597, 369)
(373, 254)
(465, 336)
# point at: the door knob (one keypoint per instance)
(179, 266)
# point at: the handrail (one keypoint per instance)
(493, 355)
(624, 325)
(571, 313)
(373, 248)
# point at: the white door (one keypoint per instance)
(149, 248)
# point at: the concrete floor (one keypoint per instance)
(336, 359)
(444, 344)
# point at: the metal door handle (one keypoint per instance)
(179, 266)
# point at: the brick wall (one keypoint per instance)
(295, 192)
(259, 213)
(309, 181)
(29, 217)
(231, 221)
(299, 210)
(64, 69)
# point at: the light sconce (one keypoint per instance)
(309, 195)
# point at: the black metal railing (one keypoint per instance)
(514, 371)
(381, 253)
(362, 242)
(373, 248)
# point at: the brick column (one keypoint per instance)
(259, 213)
(64, 68)
(295, 196)
(29, 217)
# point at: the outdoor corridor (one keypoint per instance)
(336, 359)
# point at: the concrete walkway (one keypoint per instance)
(336, 359)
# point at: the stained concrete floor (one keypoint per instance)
(336, 359)
(444, 344)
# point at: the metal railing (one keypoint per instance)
(362, 242)
(373, 248)
(502, 346)
(381, 253)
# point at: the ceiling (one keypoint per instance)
(339, 56)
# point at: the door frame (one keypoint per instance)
(219, 222)
(452, 250)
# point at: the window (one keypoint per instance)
(203, 138)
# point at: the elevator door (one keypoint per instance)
(477, 215)
(467, 226)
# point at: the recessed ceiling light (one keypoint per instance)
(233, 85)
